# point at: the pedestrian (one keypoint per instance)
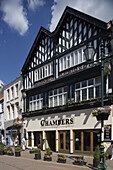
(23, 143)
(111, 150)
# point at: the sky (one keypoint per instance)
(20, 21)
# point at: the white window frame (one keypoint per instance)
(94, 85)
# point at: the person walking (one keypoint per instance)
(23, 143)
(111, 150)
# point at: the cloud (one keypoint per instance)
(14, 15)
(33, 4)
(101, 9)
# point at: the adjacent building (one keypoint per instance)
(12, 110)
(60, 88)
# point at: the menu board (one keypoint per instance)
(107, 132)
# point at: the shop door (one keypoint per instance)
(50, 140)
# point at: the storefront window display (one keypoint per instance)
(77, 139)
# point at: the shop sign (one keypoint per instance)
(58, 122)
(11, 131)
(107, 132)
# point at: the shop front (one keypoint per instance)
(69, 132)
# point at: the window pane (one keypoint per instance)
(68, 61)
(51, 102)
(80, 56)
(65, 99)
(91, 92)
(84, 83)
(60, 100)
(61, 140)
(97, 80)
(72, 59)
(84, 94)
(96, 139)
(77, 96)
(77, 140)
(86, 141)
(98, 91)
(77, 86)
(64, 62)
(67, 135)
(90, 82)
(55, 101)
(76, 58)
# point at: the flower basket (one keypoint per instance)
(18, 151)
(37, 156)
(101, 113)
(1, 148)
(32, 151)
(47, 157)
(9, 151)
(79, 160)
(17, 124)
(61, 159)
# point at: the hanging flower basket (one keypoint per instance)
(101, 113)
(17, 124)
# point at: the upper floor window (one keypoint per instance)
(8, 95)
(12, 111)
(17, 109)
(44, 72)
(12, 93)
(36, 102)
(72, 59)
(8, 111)
(58, 97)
(88, 89)
(16, 90)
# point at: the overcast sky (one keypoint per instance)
(20, 21)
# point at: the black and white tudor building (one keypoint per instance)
(60, 88)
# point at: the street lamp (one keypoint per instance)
(89, 53)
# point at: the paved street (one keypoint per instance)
(27, 162)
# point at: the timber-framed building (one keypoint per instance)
(60, 88)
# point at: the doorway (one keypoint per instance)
(50, 140)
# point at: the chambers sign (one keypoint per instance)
(58, 122)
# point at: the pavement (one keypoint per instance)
(69, 159)
(27, 162)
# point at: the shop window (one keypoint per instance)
(96, 139)
(61, 140)
(77, 140)
(29, 138)
(87, 141)
(67, 140)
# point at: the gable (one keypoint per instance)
(73, 29)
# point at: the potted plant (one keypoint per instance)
(32, 151)
(18, 151)
(101, 113)
(47, 156)
(1, 148)
(49, 150)
(79, 160)
(37, 153)
(5, 151)
(96, 156)
(106, 155)
(61, 159)
(9, 151)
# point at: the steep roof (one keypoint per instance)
(68, 10)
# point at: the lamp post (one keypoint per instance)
(89, 53)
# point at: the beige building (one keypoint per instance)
(12, 108)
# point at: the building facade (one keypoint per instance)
(60, 88)
(12, 110)
(1, 116)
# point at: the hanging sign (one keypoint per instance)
(107, 132)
